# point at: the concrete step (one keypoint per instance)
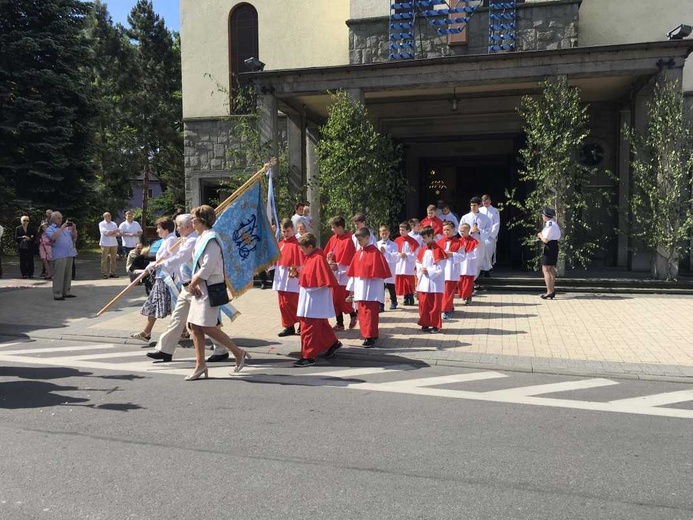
(588, 285)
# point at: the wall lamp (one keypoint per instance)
(680, 32)
(254, 64)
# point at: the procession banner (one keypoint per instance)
(246, 234)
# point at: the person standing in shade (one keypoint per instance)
(25, 243)
(63, 236)
(130, 232)
(448, 216)
(479, 228)
(108, 231)
(492, 239)
(315, 308)
(550, 236)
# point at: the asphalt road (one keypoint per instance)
(358, 442)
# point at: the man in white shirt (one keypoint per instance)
(490, 246)
(109, 246)
(130, 232)
(480, 228)
(298, 216)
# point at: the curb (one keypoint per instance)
(630, 371)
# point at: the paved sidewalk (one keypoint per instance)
(638, 336)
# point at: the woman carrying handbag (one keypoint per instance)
(208, 288)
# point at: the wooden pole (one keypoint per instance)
(121, 293)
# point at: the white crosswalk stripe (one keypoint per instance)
(93, 357)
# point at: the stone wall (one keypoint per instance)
(540, 26)
(208, 146)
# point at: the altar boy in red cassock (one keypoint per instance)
(430, 268)
(468, 267)
(340, 250)
(367, 273)
(286, 278)
(454, 250)
(406, 264)
(316, 282)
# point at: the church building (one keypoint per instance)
(444, 78)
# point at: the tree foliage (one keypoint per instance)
(360, 169)
(46, 106)
(661, 201)
(556, 125)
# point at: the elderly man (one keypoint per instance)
(62, 236)
(181, 263)
(109, 246)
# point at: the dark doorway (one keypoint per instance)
(457, 179)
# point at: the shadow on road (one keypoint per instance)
(32, 391)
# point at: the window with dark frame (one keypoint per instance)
(243, 41)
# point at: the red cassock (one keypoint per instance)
(405, 283)
(343, 250)
(316, 334)
(435, 223)
(466, 285)
(291, 256)
(450, 285)
(369, 264)
(431, 304)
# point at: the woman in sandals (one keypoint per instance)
(158, 304)
(208, 269)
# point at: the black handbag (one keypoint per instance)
(218, 295)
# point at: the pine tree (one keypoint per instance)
(46, 107)
(155, 101)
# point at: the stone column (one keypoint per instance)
(268, 121)
(296, 151)
(357, 95)
(312, 178)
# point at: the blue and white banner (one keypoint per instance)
(249, 245)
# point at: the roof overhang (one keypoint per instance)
(617, 66)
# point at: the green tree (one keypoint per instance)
(115, 146)
(359, 167)
(154, 102)
(556, 125)
(46, 106)
(661, 201)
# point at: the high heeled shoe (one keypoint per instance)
(240, 364)
(548, 296)
(198, 374)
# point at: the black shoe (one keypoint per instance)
(425, 329)
(216, 358)
(289, 331)
(434, 330)
(549, 296)
(370, 342)
(59, 299)
(161, 356)
(70, 296)
(332, 351)
(298, 330)
(113, 275)
(304, 362)
(264, 286)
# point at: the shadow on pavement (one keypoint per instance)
(594, 297)
(31, 393)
